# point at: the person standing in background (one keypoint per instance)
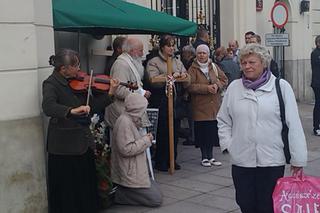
(255, 39)
(207, 80)
(127, 68)
(315, 84)
(187, 57)
(117, 50)
(234, 45)
(247, 36)
(228, 66)
(202, 38)
(157, 66)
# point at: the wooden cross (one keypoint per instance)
(161, 79)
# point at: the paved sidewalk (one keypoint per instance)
(196, 189)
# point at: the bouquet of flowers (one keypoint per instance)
(102, 158)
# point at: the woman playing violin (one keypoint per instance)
(71, 167)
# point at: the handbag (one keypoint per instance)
(297, 194)
(285, 129)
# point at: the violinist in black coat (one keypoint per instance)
(70, 145)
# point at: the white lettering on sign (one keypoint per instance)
(287, 208)
(303, 195)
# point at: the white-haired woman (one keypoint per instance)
(206, 82)
(250, 129)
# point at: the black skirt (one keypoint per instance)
(72, 183)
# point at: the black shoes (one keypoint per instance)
(165, 169)
(177, 166)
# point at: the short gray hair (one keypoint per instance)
(258, 50)
(190, 49)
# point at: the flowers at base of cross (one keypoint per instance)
(102, 159)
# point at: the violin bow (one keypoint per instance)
(89, 87)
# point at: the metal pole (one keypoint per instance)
(205, 12)
(192, 19)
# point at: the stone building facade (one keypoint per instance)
(27, 40)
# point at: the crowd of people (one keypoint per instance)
(229, 100)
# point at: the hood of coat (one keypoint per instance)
(135, 105)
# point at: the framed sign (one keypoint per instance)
(259, 5)
(277, 39)
(153, 114)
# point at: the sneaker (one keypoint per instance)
(214, 162)
(205, 163)
(316, 132)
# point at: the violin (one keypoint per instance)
(100, 83)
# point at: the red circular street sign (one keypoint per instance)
(279, 14)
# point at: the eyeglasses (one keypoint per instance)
(76, 66)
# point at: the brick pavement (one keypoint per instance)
(196, 189)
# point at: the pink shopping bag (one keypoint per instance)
(297, 194)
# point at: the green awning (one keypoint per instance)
(104, 17)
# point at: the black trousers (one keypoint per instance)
(162, 145)
(316, 109)
(254, 187)
(206, 135)
(72, 183)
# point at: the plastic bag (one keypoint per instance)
(297, 194)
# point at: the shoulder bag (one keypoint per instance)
(285, 129)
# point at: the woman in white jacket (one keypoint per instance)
(250, 130)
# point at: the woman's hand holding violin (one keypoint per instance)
(81, 110)
(114, 83)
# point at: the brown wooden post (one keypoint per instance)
(170, 116)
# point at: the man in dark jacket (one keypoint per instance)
(202, 38)
(315, 84)
(117, 50)
(187, 57)
(228, 66)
